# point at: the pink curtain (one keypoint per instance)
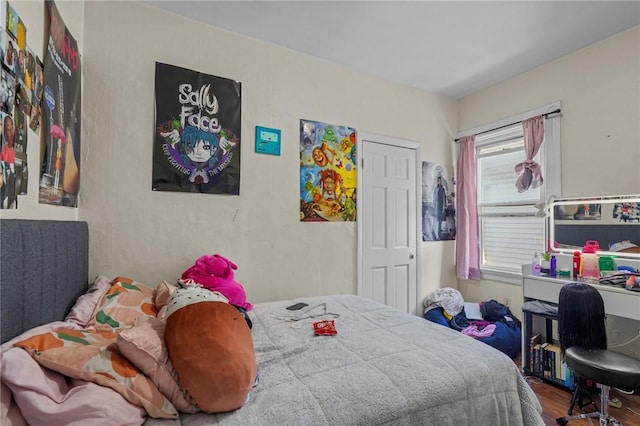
(529, 172)
(467, 247)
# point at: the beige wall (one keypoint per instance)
(151, 236)
(599, 87)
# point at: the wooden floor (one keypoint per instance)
(555, 403)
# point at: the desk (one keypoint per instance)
(617, 302)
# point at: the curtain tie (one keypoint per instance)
(528, 172)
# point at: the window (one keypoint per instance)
(511, 229)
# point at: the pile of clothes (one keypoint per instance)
(498, 328)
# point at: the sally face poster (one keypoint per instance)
(60, 175)
(197, 132)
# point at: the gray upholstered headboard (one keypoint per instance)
(44, 266)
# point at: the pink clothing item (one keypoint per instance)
(476, 333)
(8, 154)
(10, 414)
(46, 397)
(37, 395)
(215, 272)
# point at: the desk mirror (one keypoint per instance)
(612, 221)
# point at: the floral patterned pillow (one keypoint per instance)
(93, 355)
(125, 301)
(143, 345)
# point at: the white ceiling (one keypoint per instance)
(453, 48)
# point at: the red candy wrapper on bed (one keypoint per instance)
(325, 328)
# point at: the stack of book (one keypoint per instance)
(545, 360)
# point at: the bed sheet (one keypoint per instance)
(383, 367)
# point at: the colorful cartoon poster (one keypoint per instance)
(197, 140)
(61, 106)
(327, 172)
(438, 202)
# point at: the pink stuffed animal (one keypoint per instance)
(215, 272)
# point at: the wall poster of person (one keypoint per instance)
(327, 172)
(7, 91)
(35, 119)
(197, 132)
(8, 193)
(438, 202)
(61, 106)
(626, 212)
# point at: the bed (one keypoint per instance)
(382, 366)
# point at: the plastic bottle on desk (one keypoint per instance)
(535, 264)
(577, 262)
(589, 270)
(552, 266)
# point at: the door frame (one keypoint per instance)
(400, 143)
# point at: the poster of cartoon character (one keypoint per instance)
(61, 108)
(197, 138)
(327, 172)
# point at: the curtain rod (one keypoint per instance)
(508, 125)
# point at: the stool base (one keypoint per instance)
(603, 415)
(579, 394)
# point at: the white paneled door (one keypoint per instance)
(387, 221)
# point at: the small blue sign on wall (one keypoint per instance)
(268, 140)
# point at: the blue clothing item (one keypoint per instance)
(436, 315)
(493, 311)
(505, 338)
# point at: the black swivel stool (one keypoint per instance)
(609, 369)
(583, 340)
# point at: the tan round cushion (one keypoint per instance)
(212, 352)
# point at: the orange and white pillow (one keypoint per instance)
(90, 355)
(122, 304)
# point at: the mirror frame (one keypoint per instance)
(555, 202)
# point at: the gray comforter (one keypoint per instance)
(383, 367)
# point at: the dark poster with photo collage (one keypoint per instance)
(60, 173)
(20, 94)
(197, 132)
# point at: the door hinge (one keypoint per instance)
(362, 163)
